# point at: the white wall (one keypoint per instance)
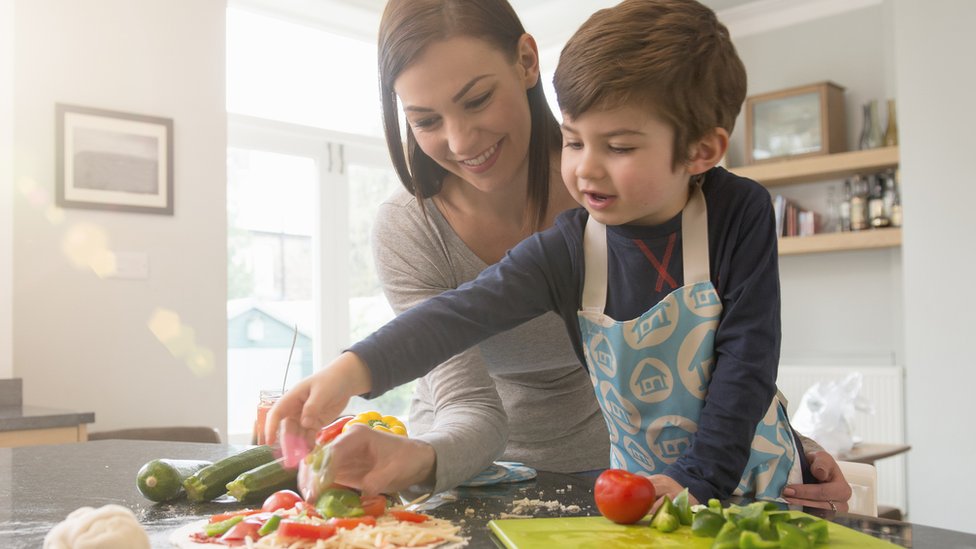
(82, 341)
(879, 307)
(840, 308)
(936, 126)
(6, 186)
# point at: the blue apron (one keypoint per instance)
(651, 374)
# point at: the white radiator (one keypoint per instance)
(884, 388)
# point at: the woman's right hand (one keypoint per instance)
(375, 462)
(318, 399)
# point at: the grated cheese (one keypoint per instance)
(388, 533)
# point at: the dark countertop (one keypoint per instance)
(40, 485)
(19, 418)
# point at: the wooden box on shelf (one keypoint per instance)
(796, 122)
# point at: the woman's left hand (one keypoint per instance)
(832, 493)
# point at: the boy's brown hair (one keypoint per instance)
(672, 56)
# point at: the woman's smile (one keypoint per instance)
(483, 161)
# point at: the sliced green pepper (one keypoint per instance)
(666, 517)
(221, 528)
(749, 517)
(727, 537)
(792, 537)
(707, 523)
(817, 531)
(270, 526)
(339, 502)
(752, 540)
(683, 506)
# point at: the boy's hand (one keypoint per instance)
(665, 485)
(319, 398)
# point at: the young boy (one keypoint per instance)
(667, 280)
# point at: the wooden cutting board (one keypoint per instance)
(600, 533)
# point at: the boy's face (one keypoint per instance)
(466, 104)
(617, 164)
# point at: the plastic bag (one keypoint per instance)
(826, 413)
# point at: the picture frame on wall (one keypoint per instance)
(109, 160)
(796, 122)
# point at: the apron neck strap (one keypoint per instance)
(694, 251)
(694, 238)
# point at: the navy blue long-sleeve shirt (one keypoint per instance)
(545, 273)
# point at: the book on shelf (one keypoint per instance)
(792, 220)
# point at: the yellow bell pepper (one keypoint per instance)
(379, 422)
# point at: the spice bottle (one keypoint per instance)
(876, 210)
(859, 204)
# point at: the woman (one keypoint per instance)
(482, 158)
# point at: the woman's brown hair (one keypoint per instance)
(406, 29)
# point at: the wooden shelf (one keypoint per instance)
(834, 242)
(820, 168)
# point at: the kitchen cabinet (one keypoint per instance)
(22, 425)
(822, 168)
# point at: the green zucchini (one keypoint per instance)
(162, 479)
(210, 482)
(260, 482)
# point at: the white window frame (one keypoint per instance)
(331, 151)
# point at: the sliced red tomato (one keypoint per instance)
(623, 497)
(330, 431)
(309, 510)
(282, 499)
(373, 506)
(408, 516)
(304, 530)
(224, 516)
(243, 529)
(348, 523)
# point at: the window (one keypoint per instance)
(307, 171)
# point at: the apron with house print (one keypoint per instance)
(651, 374)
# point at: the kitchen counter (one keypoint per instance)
(22, 418)
(40, 485)
(31, 425)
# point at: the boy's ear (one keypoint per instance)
(528, 60)
(708, 151)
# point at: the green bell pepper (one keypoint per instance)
(339, 502)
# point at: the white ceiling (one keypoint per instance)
(551, 22)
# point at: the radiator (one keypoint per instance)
(884, 388)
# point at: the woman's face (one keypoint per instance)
(466, 104)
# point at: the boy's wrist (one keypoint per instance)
(355, 373)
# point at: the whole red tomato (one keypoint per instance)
(623, 497)
(282, 499)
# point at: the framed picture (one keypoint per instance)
(111, 160)
(802, 121)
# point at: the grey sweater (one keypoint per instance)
(521, 395)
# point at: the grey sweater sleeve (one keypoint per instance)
(456, 408)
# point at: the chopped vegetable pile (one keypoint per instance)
(759, 525)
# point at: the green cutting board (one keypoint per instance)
(600, 533)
